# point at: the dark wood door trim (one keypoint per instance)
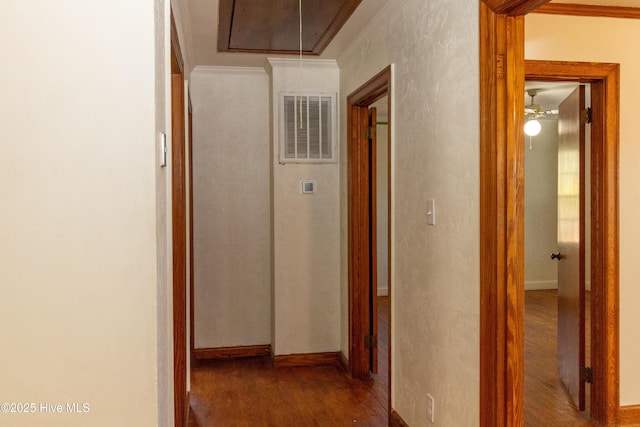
(501, 219)
(359, 256)
(179, 230)
(590, 10)
(358, 218)
(502, 68)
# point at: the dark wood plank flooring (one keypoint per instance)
(249, 392)
(547, 403)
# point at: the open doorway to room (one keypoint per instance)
(381, 377)
(369, 160)
(503, 72)
(557, 305)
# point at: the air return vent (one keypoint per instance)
(307, 128)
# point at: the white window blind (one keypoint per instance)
(307, 128)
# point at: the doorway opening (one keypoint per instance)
(368, 187)
(557, 253)
(603, 180)
(502, 77)
(381, 377)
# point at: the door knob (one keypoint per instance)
(556, 255)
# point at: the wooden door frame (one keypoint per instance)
(502, 76)
(179, 232)
(605, 102)
(358, 218)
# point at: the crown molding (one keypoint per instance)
(306, 62)
(221, 69)
(589, 10)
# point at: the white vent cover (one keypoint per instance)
(307, 128)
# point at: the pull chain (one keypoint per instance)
(300, 61)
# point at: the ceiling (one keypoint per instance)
(202, 17)
(550, 94)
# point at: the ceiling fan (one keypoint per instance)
(533, 112)
(534, 109)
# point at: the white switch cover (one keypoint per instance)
(431, 212)
(430, 408)
(163, 149)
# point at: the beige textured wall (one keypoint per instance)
(78, 255)
(231, 206)
(435, 269)
(163, 224)
(563, 38)
(306, 229)
(541, 207)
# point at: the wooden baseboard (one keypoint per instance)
(188, 408)
(307, 359)
(396, 420)
(344, 362)
(224, 353)
(629, 414)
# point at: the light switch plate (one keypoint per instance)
(430, 408)
(163, 149)
(431, 212)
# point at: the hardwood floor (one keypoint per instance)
(547, 403)
(249, 392)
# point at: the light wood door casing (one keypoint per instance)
(571, 240)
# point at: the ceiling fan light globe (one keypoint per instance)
(532, 127)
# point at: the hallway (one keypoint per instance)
(249, 392)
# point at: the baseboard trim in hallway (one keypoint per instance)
(306, 359)
(226, 353)
(396, 420)
(629, 414)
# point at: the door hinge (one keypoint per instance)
(586, 375)
(586, 116)
(370, 341)
(371, 132)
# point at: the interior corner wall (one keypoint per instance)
(231, 143)
(541, 208)
(306, 228)
(435, 285)
(165, 384)
(78, 231)
(562, 38)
